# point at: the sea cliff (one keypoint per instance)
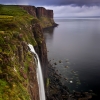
(19, 26)
(45, 16)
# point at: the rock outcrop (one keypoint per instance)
(42, 12)
(41, 48)
(30, 9)
(50, 13)
(45, 16)
(38, 11)
(47, 20)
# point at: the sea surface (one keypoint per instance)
(74, 45)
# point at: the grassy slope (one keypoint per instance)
(15, 31)
(14, 19)
(46, 22)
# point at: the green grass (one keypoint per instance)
(12, 10)
(17, 20)
(46, 22)
(11, 17)
(15, 28)
(3, 17)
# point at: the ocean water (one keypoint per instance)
(75, 46)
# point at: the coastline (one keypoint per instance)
(18, 66)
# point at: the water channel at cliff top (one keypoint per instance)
(76, 42)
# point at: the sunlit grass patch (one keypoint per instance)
(12, 10)
(6, 17)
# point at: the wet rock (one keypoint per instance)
(91, 91)
(59, 61)
(22, 73)
(20, 53)
(30, 68)
(66, 60)
(66, 78)
(55, 63)
(66, 67)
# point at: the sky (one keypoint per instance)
(63, 8)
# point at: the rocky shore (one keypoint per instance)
(57, 91)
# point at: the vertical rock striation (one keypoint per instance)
(45, 16)
(41, 48)
(30, 9)
(42, 12)
(50, 13)
(38, 11)
(46, 19)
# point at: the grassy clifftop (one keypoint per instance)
(17, 65)
(16, 20)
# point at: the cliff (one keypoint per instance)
(41, 48)
(42, 12)
(18, 28)
(38, 11)
(45, 16)
(30, 9)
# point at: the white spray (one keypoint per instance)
(39, 75)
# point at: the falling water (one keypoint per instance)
(39, 75)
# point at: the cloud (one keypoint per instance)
(63, 8)
(54, 2)
(75, 11)
(15, 2)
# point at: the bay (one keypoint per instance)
(76, 44)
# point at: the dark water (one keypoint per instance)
(76, 42)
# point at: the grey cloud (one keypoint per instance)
(54, 2)
(15, 2)
(64, 8)
(70, 11)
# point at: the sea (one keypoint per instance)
(74, 45)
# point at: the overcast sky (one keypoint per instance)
(64, 8)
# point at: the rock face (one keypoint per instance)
(42, 12)
(41, 48)
(50, 13)
(30, 9)
(38, 12)
(46, 17)
(17, 69)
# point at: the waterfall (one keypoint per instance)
(39, 75)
